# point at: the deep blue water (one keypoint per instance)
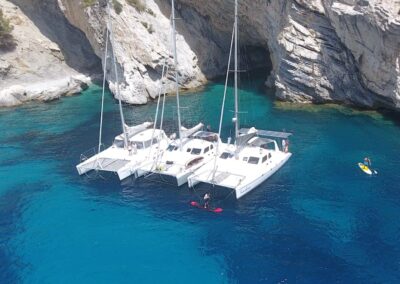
(318, 220)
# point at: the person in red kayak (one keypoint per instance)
(207, 198)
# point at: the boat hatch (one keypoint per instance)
(195, 151)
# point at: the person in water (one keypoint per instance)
(367, 162)
(207, 198)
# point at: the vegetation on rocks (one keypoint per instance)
(149, 27)
(137, 4)
(115, 3)
(88, 3)
(6, 39)
(117, 6)
(150, 12)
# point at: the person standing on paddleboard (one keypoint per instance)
(367, 162)
(207, 198)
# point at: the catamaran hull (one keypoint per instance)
(243, 190)
(82, 170)
(169, 179)
(126, 172)
(179, 179)
(88, 165)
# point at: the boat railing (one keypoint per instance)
(91, 152)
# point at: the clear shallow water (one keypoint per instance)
(318, 220)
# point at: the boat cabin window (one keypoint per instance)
(264, 158)
(119, 143)
(253, 160)
(172, 148)
(138, 145)
(196, 151)
(147, 143)
(211, 147)
(269, 155)
(245, 159)
(225, 155)
(206, 149)
(188, 150)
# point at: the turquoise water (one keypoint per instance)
(318, 220)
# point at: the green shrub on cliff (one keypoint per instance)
(149, 27)
(117, 6)
(137, 4)
(88, 3)
(6, 28)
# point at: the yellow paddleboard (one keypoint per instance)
(365, 169)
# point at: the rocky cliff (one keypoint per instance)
(320, 50)
(142, 44)
(49, 58)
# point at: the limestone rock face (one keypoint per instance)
(43, 91)
(320, 51)
(40, 66)
(142, 45)
(370, 30)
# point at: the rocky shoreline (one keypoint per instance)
(47, 90)
(320, 51)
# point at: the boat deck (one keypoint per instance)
(241, 171)
(181, 163)
(104, 164)
(112, 159)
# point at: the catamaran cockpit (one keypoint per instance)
(243, 165)
(142, 145)
(183, 156)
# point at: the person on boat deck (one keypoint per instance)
(130, 149)
(207, 198)
(283, 144)
(367, 162)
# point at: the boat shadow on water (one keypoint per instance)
(159, 190)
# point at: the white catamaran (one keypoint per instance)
(193, 148)
(253, 158)
(137, 145)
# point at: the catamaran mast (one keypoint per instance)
(102, 93)
(236, 118)
(117, 79)
(176, 74)
(226, 84)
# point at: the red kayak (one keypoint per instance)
(215, 210)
